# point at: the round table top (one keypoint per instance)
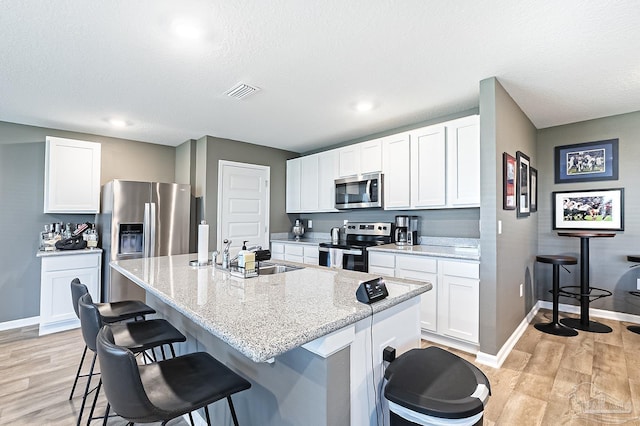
(586, 234)
(634, 258)
(557, 259)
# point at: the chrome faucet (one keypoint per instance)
(225, 254)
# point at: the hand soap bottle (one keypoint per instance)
(241, 255)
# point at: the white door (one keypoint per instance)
(243, 204)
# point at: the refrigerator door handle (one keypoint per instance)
(147, 229)
(154, 231)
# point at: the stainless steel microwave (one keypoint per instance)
(359, 192)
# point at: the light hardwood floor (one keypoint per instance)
(591, 379)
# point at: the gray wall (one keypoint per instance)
(609, 268)
(216, 149)
(508, 258)
(460, 223)
(22, 151)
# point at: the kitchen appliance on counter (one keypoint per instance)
(298, 229)
(406, 233)
(352, 252)
(359, 192)
(141, 219)
(335, 235)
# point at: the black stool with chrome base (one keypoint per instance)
(554, 327)
(634, 328)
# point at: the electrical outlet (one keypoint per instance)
(638, 283)
(499, 227)
(309, 224)
(521, 289)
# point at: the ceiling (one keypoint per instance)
(74, 65)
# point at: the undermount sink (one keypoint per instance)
(268, 268)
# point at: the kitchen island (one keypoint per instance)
(312, 352)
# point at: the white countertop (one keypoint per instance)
(266, 316)
(453, 252)
(42, 253)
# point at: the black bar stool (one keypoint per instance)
(137, 336)
(554, 327)
(110, 313)
(164, 390)
(636, 259)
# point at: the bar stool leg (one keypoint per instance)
(555, 327)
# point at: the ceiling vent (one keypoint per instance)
(241, 91)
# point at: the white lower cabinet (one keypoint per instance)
(277, 251)
(295, 252)
(452, 307)
(459, 301)
(56, 310)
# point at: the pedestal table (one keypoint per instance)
(583, 323)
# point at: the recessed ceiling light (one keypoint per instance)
(118, 122)
(186, 29)
(363, 106)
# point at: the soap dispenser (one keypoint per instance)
(241, 255)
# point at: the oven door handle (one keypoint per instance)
(357, 252)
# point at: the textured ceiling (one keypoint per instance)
(75, 64)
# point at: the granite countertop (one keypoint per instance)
(303, 241)
(453, 252)
(43, 253)
(266, 316)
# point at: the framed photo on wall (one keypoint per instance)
(533, 200)
(596, 209)
(508, 182)
(523, 185)
(586, 162)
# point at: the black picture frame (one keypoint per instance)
(587, 162)
(523, 184)
(533, 198)
(508, 182)
(592, 210)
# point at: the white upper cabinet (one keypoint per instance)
(71, 176)
(364, 157)
(397, 176)
(327, 174)
(445, 164)
(371, 156)
(349, 160)
(428, 167)
(294, 169)
(433, 167)
(463, 152)
(309, 183)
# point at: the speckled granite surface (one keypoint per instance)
(455, 252)
(266, 316)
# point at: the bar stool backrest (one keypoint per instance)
(90, 321)
(77, 291)
(121, 380)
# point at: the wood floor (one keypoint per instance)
(591, 379)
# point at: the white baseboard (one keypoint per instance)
(496, 361)
(23, 322)
(598, 313)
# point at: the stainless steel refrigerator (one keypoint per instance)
(140, 219)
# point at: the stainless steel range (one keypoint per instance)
(351, 251)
